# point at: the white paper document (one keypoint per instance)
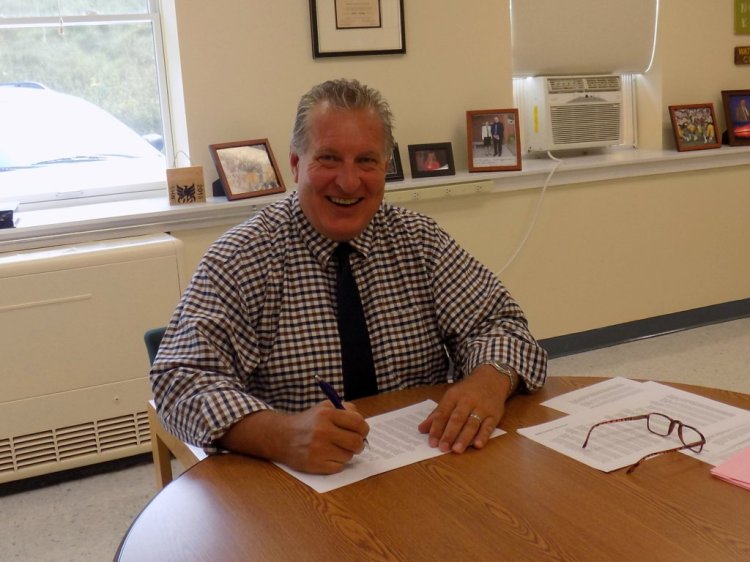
(394, 441)
(595, 395)
(617, 445)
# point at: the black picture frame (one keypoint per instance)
(394, 171)
(247, 168)
(737, 113)
(385, 35)
(431, 159)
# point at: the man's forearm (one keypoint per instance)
(260, 434)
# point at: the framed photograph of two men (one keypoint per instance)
(493, 140)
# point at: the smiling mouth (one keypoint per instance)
(344, 202)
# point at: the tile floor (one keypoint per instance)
(717, 355)
(84, 519)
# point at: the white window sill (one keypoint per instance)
(150, 214)
(573, 169)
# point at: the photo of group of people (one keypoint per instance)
(694, 126)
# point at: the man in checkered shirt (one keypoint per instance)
(236, 368)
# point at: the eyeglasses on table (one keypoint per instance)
(662, 425)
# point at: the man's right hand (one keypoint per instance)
(320, 440)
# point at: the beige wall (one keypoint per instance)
(602, 253)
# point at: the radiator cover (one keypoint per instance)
(73, 382)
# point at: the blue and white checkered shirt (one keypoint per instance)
(258, 320)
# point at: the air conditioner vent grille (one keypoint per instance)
(603, 83)
(53, 446)
(565, 85)
(577, 124)
(6, 461)
(573, 84)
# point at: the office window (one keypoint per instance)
(83, 110)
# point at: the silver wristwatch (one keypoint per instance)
(507, 370)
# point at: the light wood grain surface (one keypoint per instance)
(514, 500)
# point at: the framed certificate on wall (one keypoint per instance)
(357, 27)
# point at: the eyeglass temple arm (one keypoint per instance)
(687, 446)
(605, 422)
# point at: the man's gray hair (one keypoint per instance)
(341, 94)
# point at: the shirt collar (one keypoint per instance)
(320, 246)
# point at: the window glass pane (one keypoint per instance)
(112, 66)
(80, 109)
(42, 8)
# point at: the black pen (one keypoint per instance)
(333, 396)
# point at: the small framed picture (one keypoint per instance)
(737, 111)
(247, 168)
(493, 140)
(429, 160)
(694, 126)
(394, 171)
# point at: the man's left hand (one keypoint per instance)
(468, 412)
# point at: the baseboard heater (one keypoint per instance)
(73, 370)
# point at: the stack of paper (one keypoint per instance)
(394, 441)
(736, 469)
(617, 445)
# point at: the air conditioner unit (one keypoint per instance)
(572, 112)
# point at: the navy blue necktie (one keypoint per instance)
(356, 353)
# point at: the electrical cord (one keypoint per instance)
(535, 215)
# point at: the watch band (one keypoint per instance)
(507, 370)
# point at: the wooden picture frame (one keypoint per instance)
(357, 27)
(493, 140)
(394, 171)
(694, 126)
(737, 113)
(247, 168)
(433, 159)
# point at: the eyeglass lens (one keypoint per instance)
(663, 425)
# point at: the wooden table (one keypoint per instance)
(514, 500)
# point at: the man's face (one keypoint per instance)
(341, 176)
